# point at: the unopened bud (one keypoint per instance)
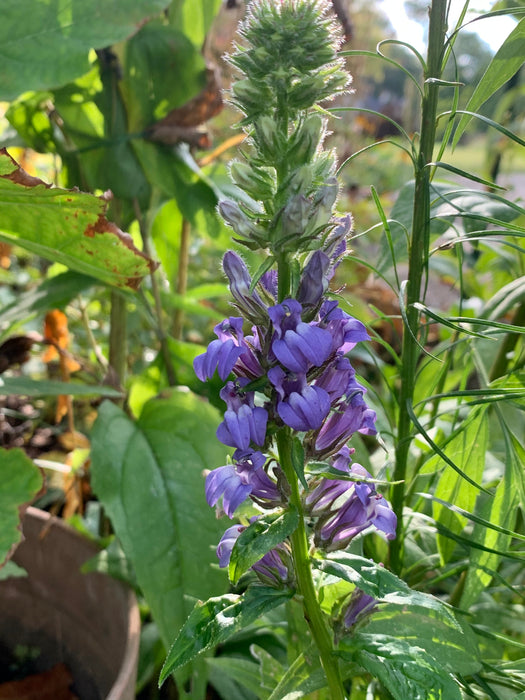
(240, 223)
(256, 182)
(307, 139)
(267, 138)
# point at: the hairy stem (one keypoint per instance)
(313, 614)
(418, 256)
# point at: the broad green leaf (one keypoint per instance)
(216, 620)
(507, 61)
(148, 475)
(381, 584)
(453, 647)
(258, 538)
(21, 480)
(25, 386)
(467, 449)
(194, 18)
(162, 70)
(46, 44)
(403, 667)
(66, 226)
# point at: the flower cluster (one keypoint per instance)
(291, 373)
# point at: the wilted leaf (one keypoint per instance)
(66, 226)
(15, 351)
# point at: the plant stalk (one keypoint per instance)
(182, 276)
(313, 614)
(418, 257)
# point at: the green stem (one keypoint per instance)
(312, 611)
(118, 336)
(182, 276)
(418, 256)
(283, 279)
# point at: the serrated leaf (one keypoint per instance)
(258, 539)
(148, 476)
(303, 676)
(452, 647)
(45, 45)
(405, 669)
(21, 481)
(66, 226)
(216, 620)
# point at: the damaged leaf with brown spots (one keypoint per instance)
(67, 226)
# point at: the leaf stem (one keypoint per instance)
(312, 611)
(418, 258)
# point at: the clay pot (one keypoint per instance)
(88, 621)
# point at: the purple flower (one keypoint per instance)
(305, 411)
(243, 421)
(297, 345)
(248, 302)
(360, 605)
(235, 482)
(336, 378)
(222, 354)
(351, 415)
(314, 280)
(343, 519)
(225, 546)
(274, 568)
(345, 330)
(301, 407)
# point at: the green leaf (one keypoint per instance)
(148, 475)
(304, 676)
(46, 44)
(53, 293)
(216, 620)
(467, 449)
(21, 481)
(500, 510)
(162, 70)
(258, 538)
(453, 647)
(66, 226)
(381, 584)
(25, 386)
(404, 668)
(507, 61)
(194, 18)
(245, 673)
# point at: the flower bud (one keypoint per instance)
(254, 181)
(306, 140)
(267, 139)
(240, 223)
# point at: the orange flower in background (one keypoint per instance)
(56, 332)
(5, 252)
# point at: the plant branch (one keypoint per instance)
(182, 276)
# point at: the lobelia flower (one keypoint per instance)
(359, 606)
(243, 422)
(346, 508)
(223, 353)
(351, 415)
(249, 303)
(346, 331)
(301, 407)
(296, 344)
(236, 482)
(275, 568)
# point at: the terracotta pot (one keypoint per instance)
(88, 621)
